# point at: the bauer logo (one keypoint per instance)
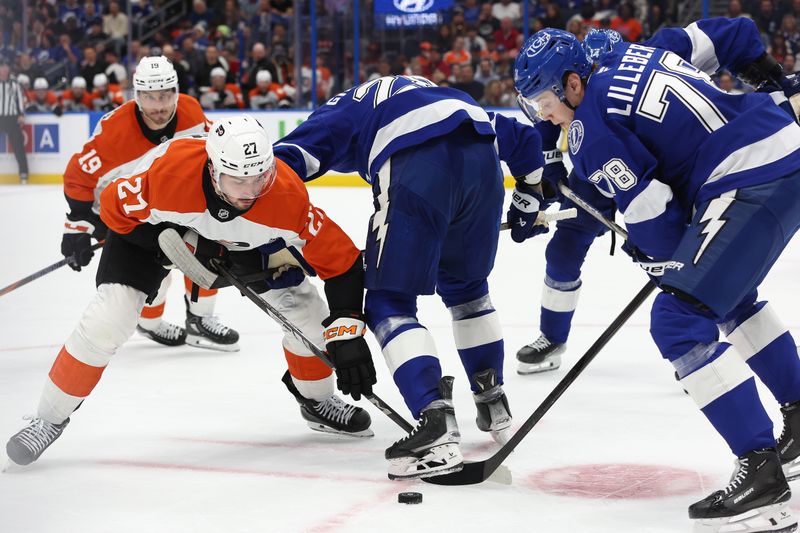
(413, 6)
(39, 139)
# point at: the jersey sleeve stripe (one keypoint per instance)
(312, 163)
(704, 55)
(649, 204)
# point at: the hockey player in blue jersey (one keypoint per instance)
(569, 244)
(429, 154)
(709, 186)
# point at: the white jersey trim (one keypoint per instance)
(312, 163)
(716, 378)
(704, 55)
(757, 332)
(478, 331)
(419, 119)
(408, 345)
(760, 153)
(648, 204)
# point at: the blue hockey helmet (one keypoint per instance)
(598, 43)
(541, 65)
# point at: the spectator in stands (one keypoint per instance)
(509, 96)
(77, 98)
(115, 24)
(72, 28)
(728, 83)
(468, 84)
(221, 95)
(201, 13)
(507, 9)
(95, 35)
(458, 55)
(486, 73)
(506, 35)
(790, 33)
(431, 62)
(471, 11)
(70, 7)
(202, 77)
(105, 96)
(492, 95)
(445, 37)
(44, 100)
(27, 66)
(266, 94)
(626, 24)
(587, 14)
(66, 51)
(90, 16)
(766, 18)
(257, 61)
(181, 68)
(91, 66)
(654, 21)
(474, 43)
(789, 64)
(553, 18)
(777, 47)
(115, 72)
(458, 26)
(194, 57)
(486, 23)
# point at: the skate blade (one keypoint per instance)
(445, 458)
(202, 342)
(776, 518)
(10, 467)
(792, 470)
(552, 363)
(326, 429)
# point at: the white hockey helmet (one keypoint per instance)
(24, 80)
(40, 84)
(240, 153)
(155, 74)
(78, 82)
(100, 80)
(263, 76)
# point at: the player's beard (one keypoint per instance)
(159, 118)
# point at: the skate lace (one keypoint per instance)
(541, 343)
(212, 324)
(738, 476)
(335, 409)
(168, 331)
(38, 434)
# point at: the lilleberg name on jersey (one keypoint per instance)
(630, 69)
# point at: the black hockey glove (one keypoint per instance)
(655, 268)
(526, 202)
(348, 350)
(76, 243)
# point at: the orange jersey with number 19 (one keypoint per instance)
(117, 145)
(172, 184)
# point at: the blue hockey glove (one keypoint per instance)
(526, 202)
(284, 277)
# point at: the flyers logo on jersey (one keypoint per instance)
(39, 139)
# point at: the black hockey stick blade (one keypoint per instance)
(265, 306)
(479, 471)
(38, 274)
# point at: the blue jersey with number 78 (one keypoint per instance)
(654, 131)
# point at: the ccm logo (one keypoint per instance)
(341, 331)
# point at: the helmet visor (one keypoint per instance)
(246, 188)
(539, 106)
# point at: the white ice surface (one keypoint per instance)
(187, 440)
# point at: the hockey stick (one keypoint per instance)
(586, 206)
(277, 315)
(480, 471)
(544, 218)
(42, 272)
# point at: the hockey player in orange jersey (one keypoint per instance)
(120, 140)
(227, 187)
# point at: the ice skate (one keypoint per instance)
(209, 332)
(494, 416)
(756, 499)
(789, 441)
(432, 447)
(332, 415)
(28, 444)
(540, 356)
(165, 333)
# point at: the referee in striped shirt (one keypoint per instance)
(12, 117)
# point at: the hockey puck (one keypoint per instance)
(409, 497)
